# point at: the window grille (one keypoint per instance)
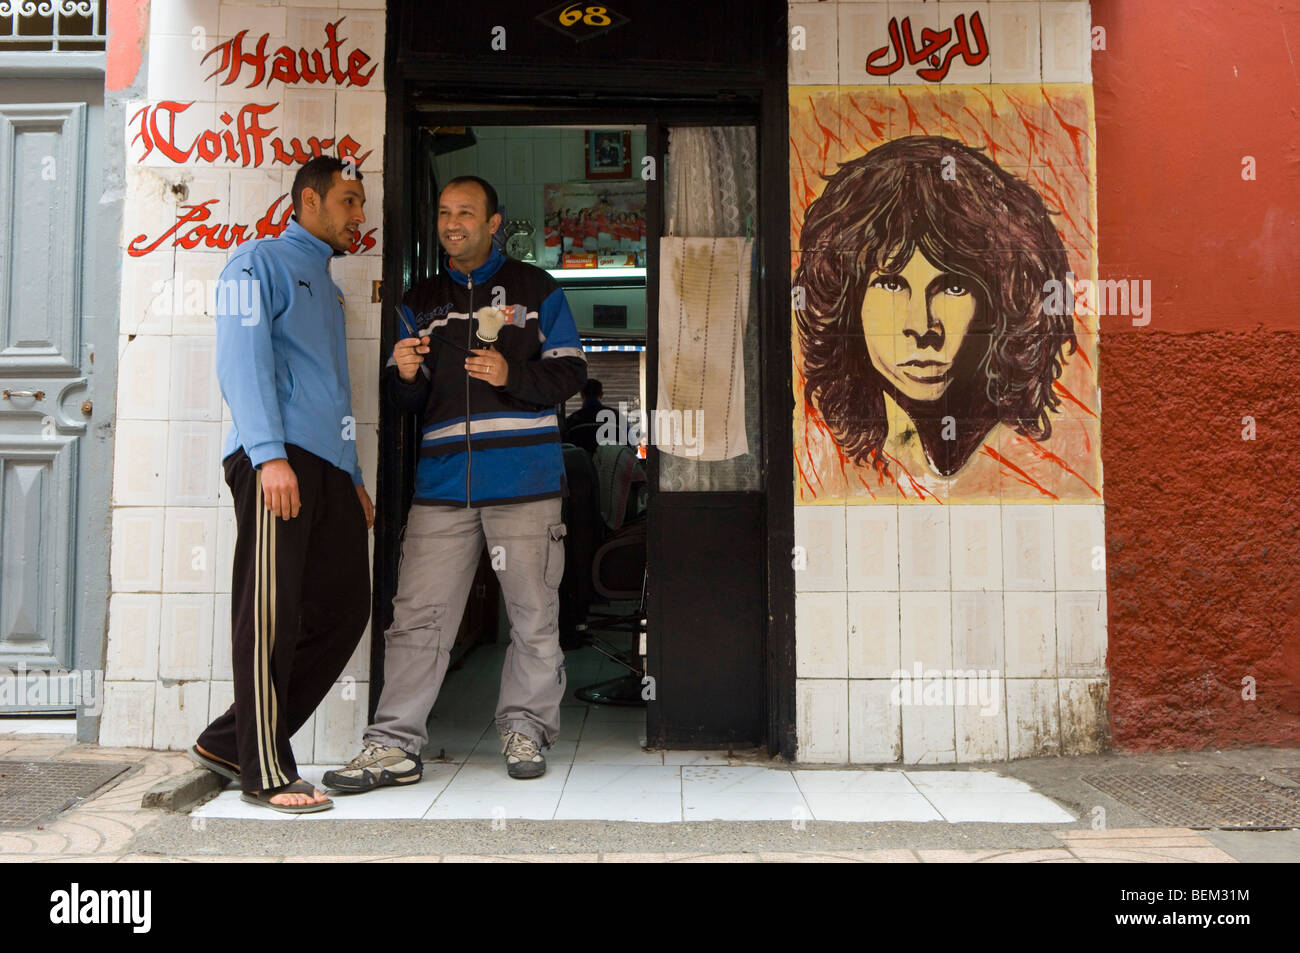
(53, 25)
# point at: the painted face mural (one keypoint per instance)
(938, 353)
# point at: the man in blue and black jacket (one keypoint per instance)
(490, 349)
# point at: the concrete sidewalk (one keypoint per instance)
(111, 826)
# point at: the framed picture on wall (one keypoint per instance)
(608, 154)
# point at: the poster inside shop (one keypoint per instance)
(595, 225)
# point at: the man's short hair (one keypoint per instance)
(593, 388)
(318, 175)
(483, 184)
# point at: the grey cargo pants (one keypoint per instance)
(440, 553)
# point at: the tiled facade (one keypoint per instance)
(1010, 591)
(168, 657)
(1012, 588)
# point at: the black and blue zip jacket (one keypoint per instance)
(483, 445)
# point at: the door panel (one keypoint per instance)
(44, 389)
(707, 549)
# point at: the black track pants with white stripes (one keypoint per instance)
(300, 601)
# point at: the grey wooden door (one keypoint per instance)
(55, 301)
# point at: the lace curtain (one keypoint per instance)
(711, 192)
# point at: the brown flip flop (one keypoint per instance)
(263, 799)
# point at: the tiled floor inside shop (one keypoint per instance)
(599, 770)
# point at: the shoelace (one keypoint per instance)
(369, 753)
(520, 746)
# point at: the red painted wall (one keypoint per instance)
(128, 25)
(1202, 527)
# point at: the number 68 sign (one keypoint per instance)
(581, 21)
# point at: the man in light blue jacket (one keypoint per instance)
(300, 593)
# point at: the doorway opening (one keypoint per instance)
(662, 609)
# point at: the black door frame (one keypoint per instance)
(525, 94)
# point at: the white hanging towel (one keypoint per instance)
(703, 306)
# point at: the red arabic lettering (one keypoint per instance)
(245, 144)
(291, 66)
(270, 225)
(905, 49)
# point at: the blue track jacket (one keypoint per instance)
(282, 357)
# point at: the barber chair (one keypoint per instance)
(605, 563)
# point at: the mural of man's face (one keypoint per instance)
(914, 321)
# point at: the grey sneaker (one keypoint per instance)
(523, 758)
(377, 765)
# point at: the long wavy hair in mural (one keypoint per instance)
(927, 272)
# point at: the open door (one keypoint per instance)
(707, 547)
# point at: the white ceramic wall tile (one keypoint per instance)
(180, 17)
(821, 714)
(1080, 547)
(1033, 719)
(221, 695)
(195, 391)
(368, 454)
(133, 620)
(871, 534)
(1015, 54)
(358, 667)
(977, 641)
(181, 714)
(142, 282)
(140, 463)
(363, 375)
(863, 28)
(1081, 634)
(821, 643)
(814, 44)
(1029, 625)
(340, 719)
(925, 630)
(819, 530)
(976, 539)
(982, 722)
(929, 734)
(874, 644)
(227, 532)
(875, 722)
(1066, 39)
(127, 720)
(136, 561)
(198, 276)
(185, 639)
(190, 549)
(253, 191)
(923, 547)
(304, 112)
(922, 16)
(364, 30)
(148, 212)
(303, 742)
(193, 464)
(174, 70)
(1027, 548)
(1084, 721)
(360, 114)
(256, 20)
(144, 369)
(964, 44)
(221, 647)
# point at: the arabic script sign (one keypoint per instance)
(973, 49)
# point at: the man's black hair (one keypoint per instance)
(318, 175)
(484, 184)
(593, 388)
